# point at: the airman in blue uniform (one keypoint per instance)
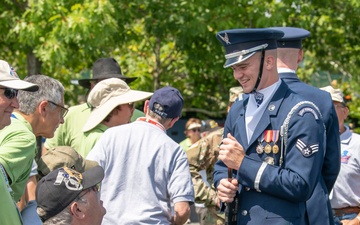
(290, 54)
(273, 139)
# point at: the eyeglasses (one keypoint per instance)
(94, 188)
(339, 105)
(195, 130)
(10, 93)
(64, 110)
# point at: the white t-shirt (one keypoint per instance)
(145, 170)
(346, 191)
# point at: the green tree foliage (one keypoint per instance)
(173, 42)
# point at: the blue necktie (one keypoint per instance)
(259, 97)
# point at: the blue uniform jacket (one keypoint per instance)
(274, 194)
(331, 166)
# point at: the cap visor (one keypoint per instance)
(194, 125)
(20, 85)
(89, 164)
(237, 59)
(92, 176)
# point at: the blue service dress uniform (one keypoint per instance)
(316, 213)
(276, 194)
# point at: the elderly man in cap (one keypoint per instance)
(60, 156)
(66, 196)
(10, 83)
(290, 54)
(202, 156)
(271, 156)
(112, 104)
(39, 114)
(345, 196)
(69, 133)
(145, 170)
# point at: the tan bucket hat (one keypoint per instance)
(108, 94)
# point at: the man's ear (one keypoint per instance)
(346, 112)
(269, 61)
(300, 56)
(42, 107)
(77, 211)
(146, 106)
(173, 121)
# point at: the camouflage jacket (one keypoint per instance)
(202, 156)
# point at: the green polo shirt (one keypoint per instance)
(17, 152)
(9, 214)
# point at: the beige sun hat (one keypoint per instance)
(10, 79)
(108, 94)
(336, 94)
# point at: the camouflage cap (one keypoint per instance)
(63, 156)
(234, 93)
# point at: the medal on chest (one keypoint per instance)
(275, 148)
(260, 147)
(267, 138)
(270, 137)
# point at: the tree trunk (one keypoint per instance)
(33, 68)
(33, 64)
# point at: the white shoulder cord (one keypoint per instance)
(285, 127)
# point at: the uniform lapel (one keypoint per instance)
(241, 123)
(271, 111)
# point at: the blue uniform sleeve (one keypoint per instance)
(332, 164)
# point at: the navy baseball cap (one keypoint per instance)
(292, 38)
(241, 44)
(60, 187)
(167, 102)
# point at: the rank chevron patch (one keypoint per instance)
(305, 150)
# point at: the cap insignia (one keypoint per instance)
(225, 38)
(71, 178)
(13, 72)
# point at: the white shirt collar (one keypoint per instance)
(285, 70)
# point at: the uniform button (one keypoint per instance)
(247, 189)
(244, 212)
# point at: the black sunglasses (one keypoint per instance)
(195, 130)
(10, 93)
(64, 110)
